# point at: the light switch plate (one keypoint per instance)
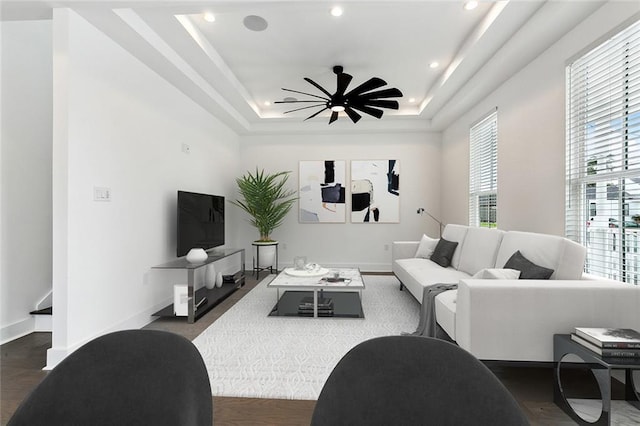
(101, 193)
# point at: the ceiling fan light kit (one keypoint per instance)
(364, 98)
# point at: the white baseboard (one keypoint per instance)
(54, 356)
(137, 321)
(16, 330)
(43, 323)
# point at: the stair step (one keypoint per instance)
(44, 311)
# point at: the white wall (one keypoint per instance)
(531, 135)
(119, 125)
(364, 245)
(26, 173)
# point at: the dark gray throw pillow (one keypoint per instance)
(528, 270)
(443, 253)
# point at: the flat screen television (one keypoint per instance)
(200, 221)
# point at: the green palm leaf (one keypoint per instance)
(266, 199)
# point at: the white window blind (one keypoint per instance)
(483, 172)
(603, 156)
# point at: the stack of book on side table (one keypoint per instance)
(609, 342)
(325, 307)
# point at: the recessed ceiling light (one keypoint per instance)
(470, 5)
(255, 23)
(267, 103)
(412, 100)
(209, 17)
(434, 65)
(336, 11)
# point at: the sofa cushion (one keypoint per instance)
(480, 249)
(443, 253)
(497, 274)
(427, 272)
(528, 270)
(417, 273)
(426, 246)
(455, 233)
(565, 257)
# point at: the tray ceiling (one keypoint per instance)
(237, 73)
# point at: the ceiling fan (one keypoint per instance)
(364, 98)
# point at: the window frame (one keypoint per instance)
(603, 155)
(483, 171)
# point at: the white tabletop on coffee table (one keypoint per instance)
(353, 280)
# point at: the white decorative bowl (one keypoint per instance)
(306, 273)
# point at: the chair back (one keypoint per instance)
(133, 377)
(410, 380)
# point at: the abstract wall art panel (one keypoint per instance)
(375, 191)
(322, 191)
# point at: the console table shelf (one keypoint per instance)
(214, 296)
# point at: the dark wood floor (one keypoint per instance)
(23, 359)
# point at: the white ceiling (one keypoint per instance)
(232, 71)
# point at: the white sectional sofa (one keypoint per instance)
(514, 319)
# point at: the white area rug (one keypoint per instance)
(249, 354)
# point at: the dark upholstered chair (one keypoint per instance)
(133, 377)
(410, 380)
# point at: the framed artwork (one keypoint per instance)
(375, 191)
(321, 188)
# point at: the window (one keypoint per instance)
(483, 172)
(603, 156)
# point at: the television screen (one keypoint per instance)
(200, 221)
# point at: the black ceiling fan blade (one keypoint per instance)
(354, 116)
(304, 93)
(296, 101)
(377, 113)
(334, 117)
(343, 81)
(371, 84)
(298, 109)
(384, 93)
(322, 89)
(382, 103)
(313, 115)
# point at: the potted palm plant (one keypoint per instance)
(267, 200)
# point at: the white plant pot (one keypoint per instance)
(267, 255)
(210, 276)
(219, 280)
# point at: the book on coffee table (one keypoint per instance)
(324, 308)
(320, 313)
(310, 308)
(335, 280)
(610, 338)
(323, 302)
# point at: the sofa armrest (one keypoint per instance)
(516, 319)
(403, 249)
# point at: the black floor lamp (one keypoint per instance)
(422, 211)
